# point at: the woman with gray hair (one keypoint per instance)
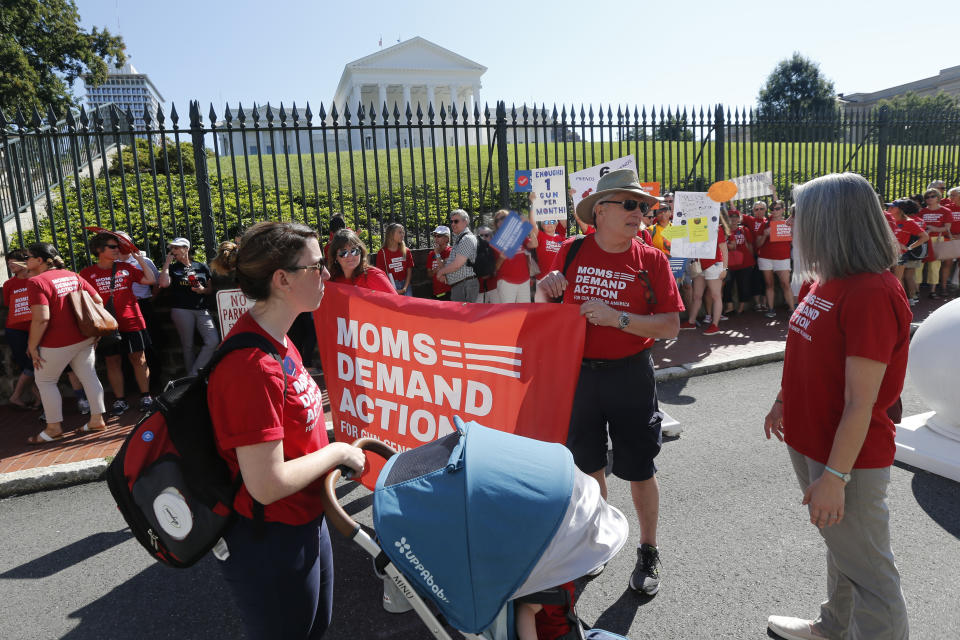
(844, 365)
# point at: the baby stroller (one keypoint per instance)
(478, 519)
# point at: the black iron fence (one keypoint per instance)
(217, 174)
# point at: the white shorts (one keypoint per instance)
(773, 265)
(713, 271)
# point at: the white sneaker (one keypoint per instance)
(793, 628)
(83, 406)
(670, 427)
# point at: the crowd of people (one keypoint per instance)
(268, 415)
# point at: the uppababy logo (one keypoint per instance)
(418, 567)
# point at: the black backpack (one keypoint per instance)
(169, 482)
(485, 264)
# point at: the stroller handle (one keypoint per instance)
(331, 506)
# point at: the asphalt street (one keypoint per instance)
(734, 540)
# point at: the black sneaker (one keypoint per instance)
(646, 576)
(119, 407)
(145, 403)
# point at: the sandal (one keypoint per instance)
(43, 438)
(88, 429)
(23, 406)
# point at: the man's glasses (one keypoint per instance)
(320, 266)
(629, 205)
(453, 222)
(348, 252)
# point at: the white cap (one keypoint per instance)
(442, 230)
(179, 242)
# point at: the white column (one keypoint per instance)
(354, 100)
(406, 99)
(432, 97)
(476, 97)
(455, 97)
(381, 97)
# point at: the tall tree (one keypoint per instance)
(796, 85)
(43, 50)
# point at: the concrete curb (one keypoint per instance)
(52, 477)
(63, 475)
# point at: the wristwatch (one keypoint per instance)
(623, 320)
(846, 477)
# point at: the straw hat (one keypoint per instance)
(613, 182)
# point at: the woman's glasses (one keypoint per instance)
(112, 246)
(320, 266)
(348, 252)
(629, 205)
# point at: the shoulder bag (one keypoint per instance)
(92, 318)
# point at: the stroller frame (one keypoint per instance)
(351, 530)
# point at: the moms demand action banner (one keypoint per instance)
(398, 369)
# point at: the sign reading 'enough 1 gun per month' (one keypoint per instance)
(700, 215)
(549, 186)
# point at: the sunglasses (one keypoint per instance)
(629, 205)
(549, 222)
(777, 209)
(453, 222)
(348, 252)
(320, 266)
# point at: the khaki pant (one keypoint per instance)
(864, 600)
(933, 269)
(81, 359)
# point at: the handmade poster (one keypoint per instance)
(549, 185)
(584, 182)
(399, 369)
(688, 207)
(521, 180)
(754, 185)
(509, 237)
(675, 231)
(780, 231)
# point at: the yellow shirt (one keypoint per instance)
(659, 240)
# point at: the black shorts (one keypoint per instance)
(621, 396)
(130, 342)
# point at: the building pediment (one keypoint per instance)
(415, 54)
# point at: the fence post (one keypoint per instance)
(203, 181)
(502, 162)
(883, 130)
(720, 143)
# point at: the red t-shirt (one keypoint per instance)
(433, 262)
(374, 279)
(50, 289)
(721, 238)
(547, 249)
(951, 217)
(773, 250)
(248, 406)
(742, 235)
(125, 307)
(866, 315)
(614, 278)
(931, 218)
(16, 298)
(515, 270)
(551, 621)
(395, 263)
(903, 231)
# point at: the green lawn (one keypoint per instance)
(473, 168)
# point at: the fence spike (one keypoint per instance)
(295, 115)
(524, 113)
(476, 111)
(194, 111)
(443, 112)
(308, 114)
(361, 113)
(227, 115)
(346, 113)
(373, 114)
(283, 114)
(255, 115)
(71, 120)
(409, 114)
(3, 120)
(19, 118)
(486, 111)
(430, 112)
(36, 121)
(453, 112)
(385, 113)
(52, 116)
(147, 116)
(609, 114)
(270, 116)
(130, 118)
(334, 115)
(396, 113)
(465, 113)
(419, 114)
(241, 115)
(174, 118)
(213, 116)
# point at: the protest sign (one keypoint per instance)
(780, 231)
(398, 369)
(675, 231)
(510, 235)
(700, 215)
(549, 186)
(521, 180)
(754, 185)
(584, 182)
(231, 304)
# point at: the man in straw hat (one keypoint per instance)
(628, 297)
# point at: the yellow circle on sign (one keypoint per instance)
(722, 191)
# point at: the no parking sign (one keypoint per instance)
(231, 304)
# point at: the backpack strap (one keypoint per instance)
(247, 340)
(568, 260)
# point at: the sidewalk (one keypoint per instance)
(745, 341)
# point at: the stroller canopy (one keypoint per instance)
(481, 516)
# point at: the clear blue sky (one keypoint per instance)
(626, 52)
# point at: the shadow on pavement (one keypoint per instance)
(939, 497)
(671, 392)
(66, 557)
(618, 617)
